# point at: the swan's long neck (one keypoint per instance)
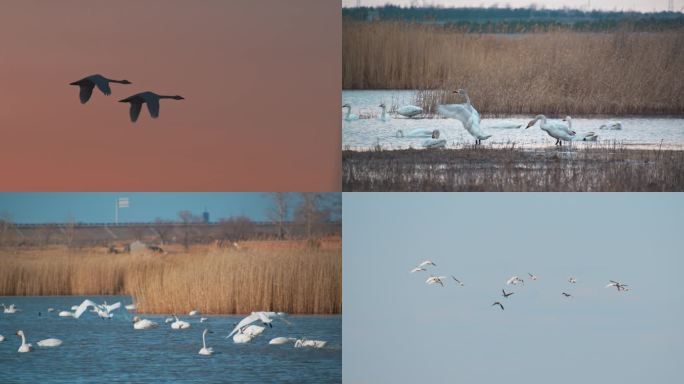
(116, 81)
(384, 108)
(166, 97)
(348, 111)
(204, 344)
(23, 339)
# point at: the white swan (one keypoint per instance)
(426, 263)
(304, 343)
(11, 309)
(515, 280)
(193, 313)
(2, 338)
(179, 324)
(241, 338)
(87, 84)
(130, 307)
(51, 309)
(418, 269)
(253, 330)
(434, 143)
(505, 124)
(435, 280)
(349, 116)
(102, 310)
(65, 314)
(409, 110)
(168, 320)
(265, 318)
(205, 351)
(618, 285)
(384, 116)
(48, 343)
(139, 323)
(572, 280)
(24, 347)
(467, 115)
(613, 125)
(282, 340)
(203, 319)
(589, 136)
(418, 132)
(555, 128)
(149, 98)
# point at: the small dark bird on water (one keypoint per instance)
(499, 304)
(506, 294)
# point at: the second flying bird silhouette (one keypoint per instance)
(149, 98)
(87, 84)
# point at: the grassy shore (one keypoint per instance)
(606, 168)
(554, 73)
(283, 276)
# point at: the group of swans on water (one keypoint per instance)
(512, 281)
(244, 331)
(151, 99)
(561, 130)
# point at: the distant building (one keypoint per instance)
(205, 216)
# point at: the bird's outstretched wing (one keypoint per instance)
(135, 111)
(82, 307)
(460, 112)
(153, 106)
(246, 321)
(113, 307)
(85, 91)
(102, 84)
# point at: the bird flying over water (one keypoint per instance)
(499, 304)
(87, 84)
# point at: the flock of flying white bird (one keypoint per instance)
(515, 280)
(244, 331)
(561, 130)
(87, 84)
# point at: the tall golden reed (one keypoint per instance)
(552, 73)
(288, 279)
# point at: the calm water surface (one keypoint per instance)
(96, 350)
(365, 133)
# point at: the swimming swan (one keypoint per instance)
(349, 116)
(384, 116)
(613, 125)
(409, 110)
(206, 351)
(467, 115)
(139, 323)
(11, 309)
(418, 132)
(303, 343)
(282, 340)
(87, 84)
(242, 338)
(47, 343)
(149, 98)
(179, 324)
(23, 347)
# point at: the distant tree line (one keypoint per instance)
(521, 20)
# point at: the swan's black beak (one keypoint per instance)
(531, 123)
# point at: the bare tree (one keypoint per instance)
(164, 228)
(279, 211)
(187, 218)
(70, 231)
(237, 228)
(310, 212)
(46, 234)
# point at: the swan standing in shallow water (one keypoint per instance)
(87, 84)
(384, 116)
(467, 115)
(556, 129)
(409, 110)
(149, 98)
(349, 116)
(205, 351)
(139, 323)
(179, 324)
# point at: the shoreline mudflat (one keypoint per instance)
(510, 169)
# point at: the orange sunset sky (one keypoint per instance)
(261, 81)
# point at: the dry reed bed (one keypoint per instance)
(551, 73)
(215, 281)
(599, 168)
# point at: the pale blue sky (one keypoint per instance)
(606, 5)
(397, 329)
(144, 206)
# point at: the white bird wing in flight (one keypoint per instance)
(112, 307)
(246, 321)
(82, 308)
(459, 112)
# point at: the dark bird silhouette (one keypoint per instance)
(567, 294)
(87, 84)
(499, 304)
(505, 295)
(149, 98)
